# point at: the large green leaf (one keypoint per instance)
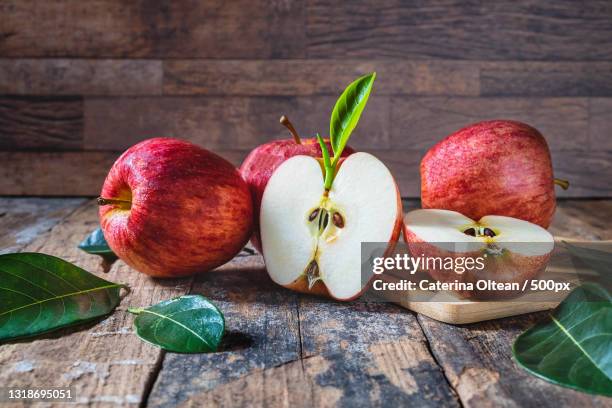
(573, 348)
(187, 324)
(96, 244)
(40, 293)
(347, 111)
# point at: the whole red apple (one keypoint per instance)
(259, 165)
(497, 167)
(170, 208)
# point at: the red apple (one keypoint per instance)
(259, 165)
(170, 208)
(495, 248)
(497, 167)
(311, 236)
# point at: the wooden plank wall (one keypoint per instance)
(82, 80)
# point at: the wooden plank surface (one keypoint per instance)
(222, 122)
(80, 77)
(52, 123)
(24, 220)
(494, 30)
(104, 362)
(107, 28)
(318, 77)
(420, 122)
(282, 348)
(557, 78)
(82, 173)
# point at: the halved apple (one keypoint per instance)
(511, 250)
(311, 237)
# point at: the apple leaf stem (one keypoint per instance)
(287, 123)
(327, 164)
(564, 184)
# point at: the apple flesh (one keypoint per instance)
(170, 208)
(513, 250)
(311, 238)
(259, 165)
(497, 167)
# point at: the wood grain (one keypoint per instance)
(82, 173)
(80, 77)
(152, 29)
(318, 77)
(263, 332)
(51, 123)
(22, 220)
(63, 173)
(378, 355)
(477, 359)
(600, 131)
(104, 362)
(557, 78)
(421, 122)
(54, 173)
(494, 30)
(222, 122)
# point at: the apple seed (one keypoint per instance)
(313, 214)
(470, 231)
(488, 232)
(338, 220)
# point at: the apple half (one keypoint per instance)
(311, 238)
(513, 250)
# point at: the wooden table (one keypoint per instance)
(282, 348)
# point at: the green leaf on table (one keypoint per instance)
(347, 111)
(96, 244)
(187, 324)
(573, 348)
(40, 293)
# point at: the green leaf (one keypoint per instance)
(573, 348)
(96, 244)
(347, 112)
(187, 324)
(40, 293)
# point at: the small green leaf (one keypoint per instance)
(40, 293)
(347, 112)
(96, 244)
(187, 324)
(573, 348)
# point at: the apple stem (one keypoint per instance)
(564, 184)
(287, 123)
(112, 201)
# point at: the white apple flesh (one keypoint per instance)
(516, 250)
(311, 238)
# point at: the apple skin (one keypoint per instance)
(259, 165)
(512, 268)
(190, 209)
(497, 167)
